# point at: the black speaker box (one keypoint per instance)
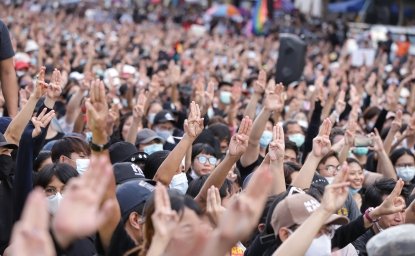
(291, 59)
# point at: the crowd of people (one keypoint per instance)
(150, 137)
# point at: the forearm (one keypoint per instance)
(250, 109)
(158, 245)
(171, 164)
(132, 133)
(327, 107)
(219, 244)
(216, 178)
(344, 153)
(305, 233)
(106, 230)
(15, 129)
(387, 143)
(385, 166)
(9, 86)
(306, 174)
(277, 170)
(73, 108)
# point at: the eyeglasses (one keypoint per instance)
(203, 159)
(333, 169)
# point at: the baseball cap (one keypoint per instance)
(124, 172)
(295, 209)
(399, 240)
(19, 65)
(123, 152)
(5, 144)
(132, 195)
(164, 116)
(146, 135)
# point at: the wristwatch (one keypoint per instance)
(368, 216)
(98, 147)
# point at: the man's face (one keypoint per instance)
(294, 129)
(395, 219)
(290, 156)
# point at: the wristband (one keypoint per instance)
(99, 148)
(370, 209)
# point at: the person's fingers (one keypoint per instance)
(342, 174)
(397, 189)
(101, 90)
(96, 91)
(209, 200)
(275, 133)
(281, 133)
(338, 185)
(248, 126)
(217, 197)
(35, 213)
(42, 114)
(242, 126)
(197, 114)
(92, 95)
(158, 198)
(105, 212)
(165, 197)
(49, 118)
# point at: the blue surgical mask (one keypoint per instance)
(406, 173)
(354, 191)
(150, 149)
(265, 139)
(225, 97)
(297, 138)
(360, 151)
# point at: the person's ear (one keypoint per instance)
(62, 159)
(261, 227)
(283, 233)
(134, 219)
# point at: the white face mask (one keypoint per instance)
(329, 179)
(225, 97)
(53, 202)
(82, 165)
(320, 246)
(150, 117)
(150, 149)
(179, 182)
(406, 173)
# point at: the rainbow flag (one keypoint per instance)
(259, 16)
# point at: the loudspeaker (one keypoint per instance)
(291, 59)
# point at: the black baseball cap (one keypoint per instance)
(5, 144)
(132, 195)
(127, 171)
(124, 152)
(163, 117)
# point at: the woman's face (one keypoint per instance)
(405, 161)
(204, 164)
(330, 167)
(190, 230)
(356, 176)
(54, 186)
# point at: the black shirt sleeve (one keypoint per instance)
(348, 233)
(120, 242)
(246, 170)
(6, 48)
(312, 130)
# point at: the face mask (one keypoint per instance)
(225, 97)
(406, 173)
(82, 165)
(210, 113)
(402, 101)
(124, 102)
(320, 246)
(329, 179)
(150, 149)
(53, 202)
(354, 191)
(179, 182)
(6, 163)
(303, 124)
(265, 139)
(165, 134)
(360, 151)
(297, 138)
(150, 117)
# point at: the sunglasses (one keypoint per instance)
(203, 159)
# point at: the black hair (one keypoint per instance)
(123, 119)
(64, 172)
(202, 148)
(375, 193)
(335, 132)
(290, 122)
(397, 153)
(195, 186)
(153, 163)
(207, 137)
(331, 153)
(43, 155)
(68, 145)
(292, 146)
(290, 168)
(351, 160)
(220, 131)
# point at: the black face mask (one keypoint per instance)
(6, 166)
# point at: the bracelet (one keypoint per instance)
(367, 216)
(99, 148)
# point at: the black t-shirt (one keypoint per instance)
(6, 48)
(120, 243)
(246, 170)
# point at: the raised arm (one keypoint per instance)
(385, 165)
(334, 197)
(274, 101)
(395, 127)
(321, 146)
(15, 129)
(9, 85)
(276, 158)
(138, 113)
(259, 89)
(237, 147)
(74, 105)
(193, 126)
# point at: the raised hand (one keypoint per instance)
(239, 141)
(274, 100)
(165, 220)
(41, 121)
(97, 107)
(377, 142)
(336, 193)
(82, 210)
(55, 85)
(214, 207)
(31, 233)
(321, 143)
(41, 86)
(154, 88)
(260, 84)
(340, 105)
(174, 73)
(193, 125)
(350, 133)
(397, 122)
(393, 203)
(277, 145)
(139, 108)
